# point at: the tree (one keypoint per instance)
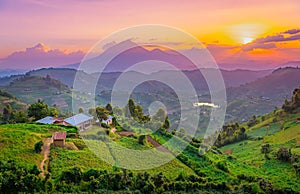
(102, 113)
(166, 124)
(109, 108)
(266, 149)
(40, 110)
(38, 147)
(160, 115)
(284, 154)
(81, 110)
(7, 113)
(131, 107)
(20, 116)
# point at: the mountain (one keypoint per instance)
(262, 95)
(9, 72)
(277, 84)
(118, 61)
(39, 56)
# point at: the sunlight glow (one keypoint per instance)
(247, 40)
(245, 33)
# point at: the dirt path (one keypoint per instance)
(149, 139)
(45, 152)
(157, 145)
(125, 133)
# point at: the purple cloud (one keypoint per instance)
(292, 31)
(252, 46)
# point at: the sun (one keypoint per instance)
(246, 32)
(246, 40)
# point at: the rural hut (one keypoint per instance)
(59, 139)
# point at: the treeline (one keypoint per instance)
(231, 133)
(15, 179)
(131, 116)
(34, 112)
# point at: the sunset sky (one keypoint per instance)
(254, 34)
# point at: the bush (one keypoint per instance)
(74, 175)
(284, 154)
(38, 147)
(222, 166)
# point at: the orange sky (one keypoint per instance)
(78, 24)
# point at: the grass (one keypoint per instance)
(17, 142)
(264, 130)
(63, 159)
(248, 152)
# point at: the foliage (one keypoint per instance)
(102, 113)
(15, 178)
(38, 147)
(266, 149)
(293, 105)
(81, 110)
(40, 110)
(231, 133)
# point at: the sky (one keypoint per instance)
(240, 34)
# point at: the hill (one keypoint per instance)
(30, 88)
(243, 167)
(261, 96)
(7, 98)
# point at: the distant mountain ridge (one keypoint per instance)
(67, 75)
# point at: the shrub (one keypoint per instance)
(222, 166)
(283, 154)
(38, 147)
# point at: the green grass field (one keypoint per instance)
(282, 174)
(17, 142)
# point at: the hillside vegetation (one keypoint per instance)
(30, 88)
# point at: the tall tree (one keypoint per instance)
(166, 124)
(131, 107)
(81, 110)
(109, 108)
(40, 110)
(102, 113)
(7, 113)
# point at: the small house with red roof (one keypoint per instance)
(59, 139)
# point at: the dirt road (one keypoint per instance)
(45, 152)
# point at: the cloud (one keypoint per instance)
(292, 35)
(252, 46)
(292, 31)
(40, 56)
(270, 41)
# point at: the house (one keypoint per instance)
(81, 121)
(59, 139)
(52, 120)
(46, 120)
(108, 121)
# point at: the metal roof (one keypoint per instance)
(77, 119)
(46, 120)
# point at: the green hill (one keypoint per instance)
(280, 131)
(8, 98)
(265, 162)
(29, 88)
